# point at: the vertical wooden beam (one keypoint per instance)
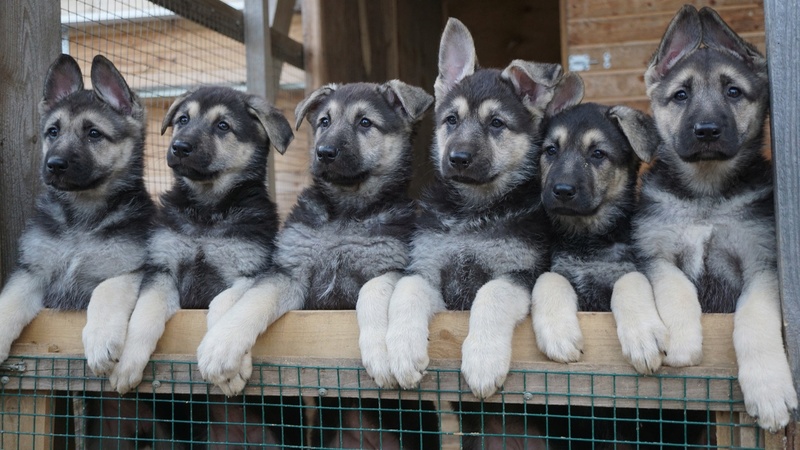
(260, 65)
(783, 46)
(26, 421)
(30, 39)
(280, 13)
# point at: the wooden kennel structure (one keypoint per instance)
(376, 40)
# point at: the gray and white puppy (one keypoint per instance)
(216, 228)
(349, 231)
(482, 236)
(590, 161)
(84, 247)
(706, 226)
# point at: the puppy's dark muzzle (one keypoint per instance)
(460, 159)
(564, 193)
(327, 153)
(707, 131)
(57, 165)
(182, 149)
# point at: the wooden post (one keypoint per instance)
(26, 421)
(30, 39)
(783, 46)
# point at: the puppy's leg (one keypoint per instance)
(641, 332)
(157, 304)
(764, 372)
(554, 312)
(223, 356)
(486, 355)
(413, 304)
(226, 299)
(107, 318)
(372, 310)
(677, 304)
(20, 301)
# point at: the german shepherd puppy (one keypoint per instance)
(84, 248)
(482, 237)
(706, 226)
(346, 238)
(589, 169)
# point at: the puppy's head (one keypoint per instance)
(220, 135)
(362, 133)
(709, 93)
(487, 121)
(90, 138)
(590, 158)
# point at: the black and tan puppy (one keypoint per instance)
(590, 161)
(706, 226)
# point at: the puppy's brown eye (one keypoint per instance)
(366, 123)
(497, 123)
(680, 95)
(598, 154)
(94, 134)
(223, 126)
(52, 132)
(734, 92)
(551, 150)
(183, 120)
(451, 119)
(324, 122)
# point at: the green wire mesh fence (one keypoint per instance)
(48, 402)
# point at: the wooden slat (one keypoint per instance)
(783, 45)
(30, 43)
(605, 8)
(26, 421)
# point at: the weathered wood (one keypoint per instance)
(783, 46)
(26, 421)
(636, 8)
(29, 43)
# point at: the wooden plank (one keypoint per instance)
(29, 42)
(26, 421)
(607, 8)
(783, 46)
(213, 14)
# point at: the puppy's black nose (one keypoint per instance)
(57, 165)
(327, 153)
(181, 149)
(707, 131)
(460, 159)
(564, 192)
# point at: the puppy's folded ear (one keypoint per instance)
(568, 93)
(311, 103)
(275, 124)
(413, 101)
(173, 108)
(534, 83)
(457, 57)
(63, 78)
(110, 87)
(719, 36)
(638, 128)
(682, 37)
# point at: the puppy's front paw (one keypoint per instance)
(554, 311)
(643, 344)
(484, 364)
(561, 340)
(103, 347)
(685, 345)
(127, 374)
(225, 362)
(376, 362)
(408, 355)
(769, 394)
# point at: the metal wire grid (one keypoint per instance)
(58, 403)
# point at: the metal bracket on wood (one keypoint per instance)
(14, 367)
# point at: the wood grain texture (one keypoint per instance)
(783, 48)
(609, 8)
(29, 43)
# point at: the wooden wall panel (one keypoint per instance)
(606, 8)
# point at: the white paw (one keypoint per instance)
(685, 345)
(769, 394)
(225, 362)
(376, 362)
(127, 374)
(644, 344)
(562, 340)
(408, 355)
(103, 346)
(554, 312)
(484, 364)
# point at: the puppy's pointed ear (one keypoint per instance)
(411, 100)
(311, 103)
(272, 119)
(110, 87)
(63, 78)
(173, 108)
(533, 82)
(457, 57)
(719, 36)
(683, 36)
(568, 93)
(638, 128)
